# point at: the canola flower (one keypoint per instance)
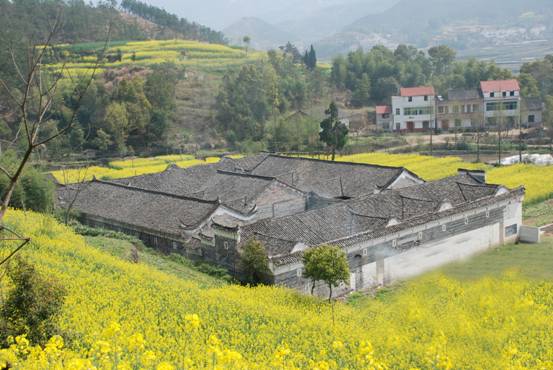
(120, 315)
(199, 55)
(128, 168)
(537, 180)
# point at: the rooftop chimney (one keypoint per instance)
(478, 175)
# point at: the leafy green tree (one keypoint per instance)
(254, 264)
(362, 93)
(528, 85)
(548, 120)
(102, 141)
(441, 57)
(310, 58)
(384, 88)
(117, 125)
(328, 264)
(247, 40)
(33, 305)
(34, 191)
(333, 132)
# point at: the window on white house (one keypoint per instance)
(492, 95)
(426, 98)
(504, 94)
(511, 230)
(398, 112)
(410, 99)
(531, 118)
(440, 109)
(512, 93)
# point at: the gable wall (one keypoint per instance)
(279, 200)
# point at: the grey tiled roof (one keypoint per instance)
(462, 94)
(533, 104)
(151, 210)
(238, 191)
(325, 178)
(365, 214)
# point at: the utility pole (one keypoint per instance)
(520, 131)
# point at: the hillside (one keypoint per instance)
(135, 314)
(467, 26)
(264, 35)
(302, 27)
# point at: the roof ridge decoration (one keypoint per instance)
(156, 192)
(243, 174)
(336, 162)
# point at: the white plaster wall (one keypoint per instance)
(429, 256)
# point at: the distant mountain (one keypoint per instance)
(466, 25)
(263, 35)
(223, 13)
(303, 27)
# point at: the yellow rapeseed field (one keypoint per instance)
(538, 180)
(120, 315)
(128, 168)
(188, 53)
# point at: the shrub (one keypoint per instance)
(255, 264)
(32, 305)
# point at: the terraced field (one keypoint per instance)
(79, 59)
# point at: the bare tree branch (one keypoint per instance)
(6, 172)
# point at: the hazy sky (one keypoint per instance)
(221, 13)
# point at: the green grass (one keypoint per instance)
(173, 264)
(534, 261)
(539, 214)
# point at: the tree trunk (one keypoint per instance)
(313, 288)
(330, 294)
(333, 153)
(6, 198)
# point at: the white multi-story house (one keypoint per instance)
(501, 102)
(414, 109)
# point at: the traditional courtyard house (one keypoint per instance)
(501, 103)
(391, 224)
(388, 236)
(531, 114)
(384, 117)
(414, 109)
(237, 191)
(461, 110)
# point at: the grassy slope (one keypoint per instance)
(534, 261)
(174, 264)
(539, 214)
